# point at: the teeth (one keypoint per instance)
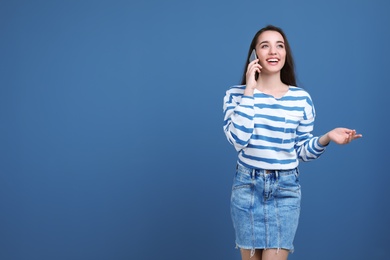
(272, 60)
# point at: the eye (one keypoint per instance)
(264, 46)
(280, 46)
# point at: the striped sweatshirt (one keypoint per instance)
(271, 133)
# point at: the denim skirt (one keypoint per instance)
(265, 207)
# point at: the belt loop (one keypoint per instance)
(253, 173)
(296, 172)
(277, 174)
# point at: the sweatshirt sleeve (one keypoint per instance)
(238, 117)
(307, 146)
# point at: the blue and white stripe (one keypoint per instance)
(271, 133)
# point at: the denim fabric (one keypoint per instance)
(265, 207)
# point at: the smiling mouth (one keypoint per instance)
(273, 61)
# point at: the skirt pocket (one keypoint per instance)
(288, 192)
(242, 191)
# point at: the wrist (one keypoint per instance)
(324, 140)
(248, 91)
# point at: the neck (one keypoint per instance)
(270, 82)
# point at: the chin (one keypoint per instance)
(272, 71)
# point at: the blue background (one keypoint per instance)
(111, 126)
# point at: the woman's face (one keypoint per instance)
(271, 51)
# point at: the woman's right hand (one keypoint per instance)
(253, 68)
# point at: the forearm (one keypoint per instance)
(324, 140)
(309, 149)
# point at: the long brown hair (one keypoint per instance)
(287, 74)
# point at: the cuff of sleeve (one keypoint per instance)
(247, 100)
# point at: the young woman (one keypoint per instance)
(269, 121)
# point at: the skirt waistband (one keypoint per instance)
(254, 171)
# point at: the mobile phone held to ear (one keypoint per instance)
(253, 56)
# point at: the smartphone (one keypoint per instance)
(253, 56)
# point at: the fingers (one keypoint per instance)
(256, 61)
(352, 135)
(357, 136)
(253, 67)
(254, 64)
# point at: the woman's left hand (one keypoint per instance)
(342, 135)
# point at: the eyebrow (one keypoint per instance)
(268, 42)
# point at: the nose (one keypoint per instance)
(272, 50)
